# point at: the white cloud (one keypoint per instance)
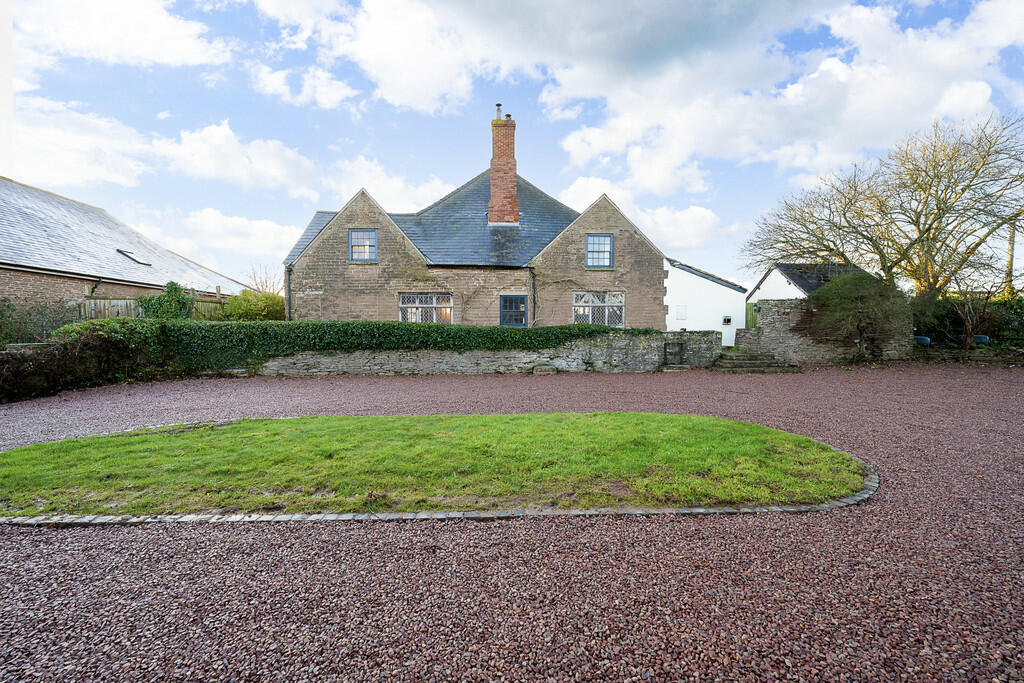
(56, 144)
(139, 33)
(319, 87)
(164, 115)
(248, 236)
(393, 192)
(690, 81)
(216, 153)
(672, 230)
(415, 60)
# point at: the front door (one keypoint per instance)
(513, 311)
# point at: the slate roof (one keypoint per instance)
(808, 277)
(707, 276)
(42, 230)
(454, 230)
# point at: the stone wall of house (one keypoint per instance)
(324, 285)
(638, 270)
(785, 328)
(614, 352)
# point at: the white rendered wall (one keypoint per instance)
(776, 286)
(703, 304)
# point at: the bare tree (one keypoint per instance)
(266, 281)
(925, 212)
(972, 302)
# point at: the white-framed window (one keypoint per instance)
(727, 320)
(680, 311)
(425, 308)
(599, 308)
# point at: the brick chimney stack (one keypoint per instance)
(503, 206)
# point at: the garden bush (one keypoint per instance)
(23, 322)
(862, 309)
(174, 303)
(250, 305)
(935, 316)
(86, 359)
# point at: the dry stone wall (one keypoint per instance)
(614, 352)
(785, 329)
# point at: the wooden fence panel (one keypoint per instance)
(129, 308)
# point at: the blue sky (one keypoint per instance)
(217, 127)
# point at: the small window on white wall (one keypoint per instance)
(727, 320)
(680, 311)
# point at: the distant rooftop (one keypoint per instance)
(707, 276)
(808, 277)
(45, 231)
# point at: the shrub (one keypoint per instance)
(860, 308)
(173, 304)
(1009, 325)
(33, 321)
(84, 360)
(937, 316)
(250, 305)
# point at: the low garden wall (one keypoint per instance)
(611, 352)
(785, 329)
(128, 349)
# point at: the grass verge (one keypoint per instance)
(459, 462)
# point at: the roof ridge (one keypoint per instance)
(456, 190)
(559, 202)
(677, 262)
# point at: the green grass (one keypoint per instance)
(426, 462)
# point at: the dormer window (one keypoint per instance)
(362, 245)
(599, 250)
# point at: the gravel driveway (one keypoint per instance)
(926, 581)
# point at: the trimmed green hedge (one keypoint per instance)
(125, 349)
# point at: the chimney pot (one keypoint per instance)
(508, 117)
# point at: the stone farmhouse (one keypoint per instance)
(496, 251)
(57, 249)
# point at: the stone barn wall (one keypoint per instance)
(786, 329)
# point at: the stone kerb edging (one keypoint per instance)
(871, 482)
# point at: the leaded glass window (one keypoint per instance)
(599, 308)
(425, 308)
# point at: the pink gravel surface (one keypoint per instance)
(926, 581)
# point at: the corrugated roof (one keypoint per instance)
(811, 276)
(707, 276)
(454, 230)
(39, 229)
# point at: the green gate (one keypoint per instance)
(751, 316)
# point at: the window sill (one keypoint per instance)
(599, 267)
(364, 263)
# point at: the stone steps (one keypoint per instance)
(737, 362)
(765, 370)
